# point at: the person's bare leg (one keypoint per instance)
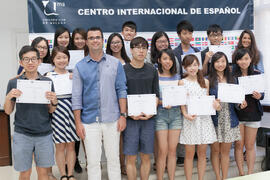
(238, 151)
(70, 157)
(61, 157)
(215, 159)
(225, 158)
(50, 174)
(173, 139)
(25, 175)
(161, 138)
(188, 164)
(145, 166)
(250, 134)
(131, 167)
(201, 152)
(42, 173)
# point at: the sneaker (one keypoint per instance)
(180, 161)
(77, 167)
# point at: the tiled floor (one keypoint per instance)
(8, 172)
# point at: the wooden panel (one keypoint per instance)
(5, 146)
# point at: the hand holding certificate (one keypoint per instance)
(230, 93)
(174, 96)
(33, 91)
(142, 103)
(252, 83)
(203, 105)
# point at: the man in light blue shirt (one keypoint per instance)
(99, 105)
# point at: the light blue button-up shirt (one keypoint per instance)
(96, 88)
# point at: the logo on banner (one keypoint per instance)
(50, 8)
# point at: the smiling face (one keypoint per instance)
(220, 64)
(60, 60)
(185, 37)
(244, 62)
(128, 33)
(116, 44)
(193, 68)
(215, 38)
(79, 41)
(63, 39)
(42, 49)
(246, 40)
(162, 43)
(30, 61)
(166, 62)
(94, 41)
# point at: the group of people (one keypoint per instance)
(96, 110)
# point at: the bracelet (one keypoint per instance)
(54, 104)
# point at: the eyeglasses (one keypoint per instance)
(93, 38)
(33, 59)
(162, 41)
(116, 42)
(214, 35)
(42, 47)
(140, 48)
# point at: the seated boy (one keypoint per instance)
(32, 132)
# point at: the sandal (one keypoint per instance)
(65, 176)
(123, 170)
(71, 176)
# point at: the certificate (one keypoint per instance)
(202, 105)
(252, 83)
(146, 103)
(33, 91)
(44, 68)
(198, 55)
(174, 96)
(226, 49)
(75, 56)
(62, 84)
(231, 93)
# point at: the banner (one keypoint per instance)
(45, 16)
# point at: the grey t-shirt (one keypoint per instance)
(31, 119)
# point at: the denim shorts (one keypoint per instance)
(167, 119)
(139, 136)
(251, 124)
(24, 146)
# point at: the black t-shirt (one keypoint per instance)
(142, 80)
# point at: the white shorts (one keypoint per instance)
(251, 124)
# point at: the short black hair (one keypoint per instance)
(139, 41)
(95, 29)
(59, 49)
(184, 25)
(129, 24)
(26, 49)
(214, 28)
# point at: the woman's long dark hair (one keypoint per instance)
(123, 50)
(34, 44)
(254, 52)
(239, 53)
(213, 77)
(169, 52)
(154, 51)
(57, 33)
(187, 61)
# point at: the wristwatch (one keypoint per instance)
(54, 104)
(124, 115)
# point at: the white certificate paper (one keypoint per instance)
(226, 49)
(252, 83)
(44, 68)
(231, 93)
(146, 103)
(198, 55)
(62, 84)
(33, 91)
(202, 105)
(75, 56)
(174, 96)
